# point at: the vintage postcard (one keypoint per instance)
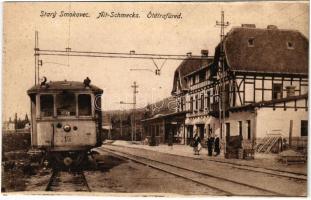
(155, 98)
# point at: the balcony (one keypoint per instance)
(199, 85)
(215, 107)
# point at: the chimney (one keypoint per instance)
(204, 55)
(272, 27)
(248, 26)
(189, 54)
(290, 90)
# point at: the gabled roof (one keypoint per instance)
(186, 67)
(63, 85)
(270, 51)
(165, 106)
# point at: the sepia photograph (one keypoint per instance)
(155, 99)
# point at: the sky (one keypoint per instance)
(195, 31)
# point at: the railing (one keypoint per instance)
(199, 85)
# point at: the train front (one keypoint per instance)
(66, 120)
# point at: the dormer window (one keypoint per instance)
(251, 42)
(290, 45)
(193, 80)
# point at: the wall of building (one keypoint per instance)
(155, 128)
(208, 121)
(234, 119)
(301, 87)
(278, 120)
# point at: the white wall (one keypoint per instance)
(279, 119)
(234, 119)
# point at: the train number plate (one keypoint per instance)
(67, 138)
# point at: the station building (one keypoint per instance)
(265, 81)
(162, 124)
(265, 87)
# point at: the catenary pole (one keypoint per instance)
(221, 71)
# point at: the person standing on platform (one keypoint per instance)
(210, 143)
(217, 146)
(197, 144)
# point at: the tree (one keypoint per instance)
(26, 120)
(15, 121)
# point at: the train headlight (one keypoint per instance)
(58, 125)
(67, 128)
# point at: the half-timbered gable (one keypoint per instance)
(263, 64)
(266, 81)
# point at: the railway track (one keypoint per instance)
(274, 172)
(224, 186)
(67, 181)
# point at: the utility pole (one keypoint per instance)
(221, 71)
(36, 55)
(38, 62)
(121, 124)
(134, 86)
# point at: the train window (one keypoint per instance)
(84, 104)
(46, 105)
(66, 104)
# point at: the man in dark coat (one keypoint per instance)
(210, 143)
(217, 147)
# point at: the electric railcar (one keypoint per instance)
(66, 120)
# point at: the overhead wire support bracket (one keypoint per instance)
(130, 55)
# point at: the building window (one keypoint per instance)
(304, 128)
(248, 129)
(240, 129)
(202, 77)
(227, 130)
(193, 80)
(46, 105)
(191, 104)
(290, 45)
(227, 97)
(277, 92)
(251, 42)
(196, 102)
(181, 104)
(202, 101)
(208, 100)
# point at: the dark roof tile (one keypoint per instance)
(270, 51)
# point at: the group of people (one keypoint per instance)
(212, 145)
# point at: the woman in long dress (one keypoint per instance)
(197, 144)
